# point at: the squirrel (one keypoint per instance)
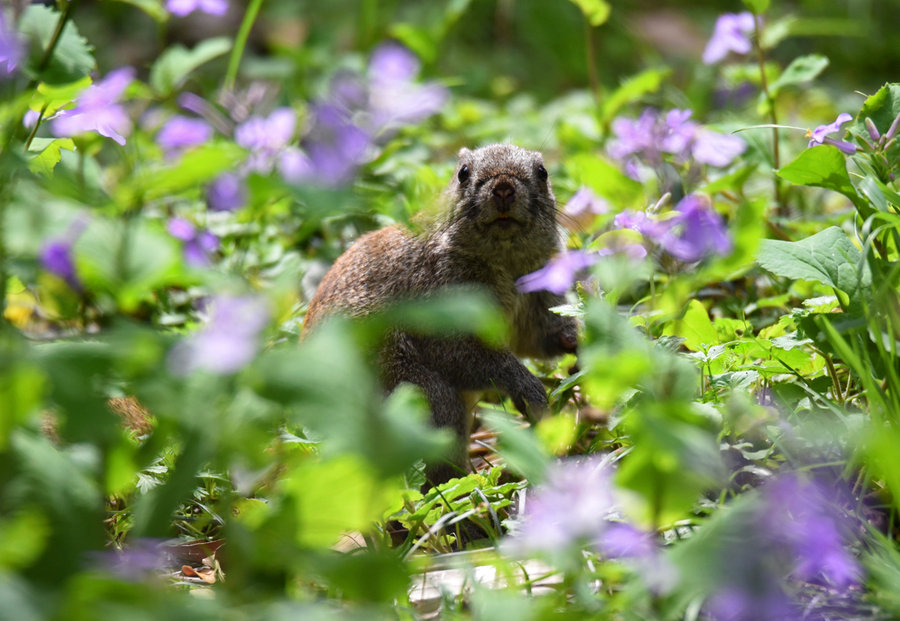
(500, 225)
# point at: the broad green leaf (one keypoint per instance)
(632, 89)
(44, 162)
(177, 62)
(605, 179)
(802, 69)
(757, 6)
(196, 168)
(154, 8)
(595, 11)
(126, 259)
(695, 328)
(825, 166)
(72, 57)
(828, 257)
(322, 515)
(882, 107)
(518, 447)
(52, 97)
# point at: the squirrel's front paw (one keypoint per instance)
(531, 399)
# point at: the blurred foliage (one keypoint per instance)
(140, 402)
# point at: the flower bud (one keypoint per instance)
(873, 131)
(893, 129)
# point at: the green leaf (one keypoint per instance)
(72, 57)
(605, 179)
(825, 166)
(802, 69)
(595, 11)
(632, 89)
(695, 328)
(126, 259)
(44, 162)
(757, 6)
(177, 62)
(520, 449)
(196, 168)
(154, 8)
(882, 107)
(828, 257)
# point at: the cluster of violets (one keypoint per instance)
(689, 233)
(653, 135)
(578, 506)
(795, 533)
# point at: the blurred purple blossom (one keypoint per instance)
(198, 246)
(98, 109)
(134, 563)
(584, 205)
(559, 274)
(335, 148)
(30, 118)
(226, 193)
(12, 48)
(652, 134)
(266, 137)
(730, 34)
(229, 339)
(56, 257)
(716, 149)
(571, 507)
(820, 135)
(766, 601)
(394, 97)
(802, 518)
(186, 7)
(181, 132)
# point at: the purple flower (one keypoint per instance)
(226, 193)
(716, 149)
(651, 228)
(820, 135)
(635, 137)
(652, 135)
(98, 109)
(185, 7)
(702, 231)
(198, 245)
(800, 518)
(731, 34)
(585, 203)
(12, 48)
(559, 274)
(56, 257)
(394, 98)
(571, 507)
(134, 563)
(228, 340)
(266, 137)
(335, 148)
(181, 132)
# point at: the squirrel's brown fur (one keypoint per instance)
(500, 225)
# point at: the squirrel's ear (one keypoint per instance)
(463, 153)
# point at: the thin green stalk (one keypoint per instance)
(57, 33)
(773, 115)
(592, 61)
(234, 62)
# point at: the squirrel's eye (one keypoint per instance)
(542, 172)
(463, 173)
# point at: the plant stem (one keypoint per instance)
(234, 62)
(57, 33)
(591, 60)
(773, 115)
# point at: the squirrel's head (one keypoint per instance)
(502, 192)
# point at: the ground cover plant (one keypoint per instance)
(176, 175)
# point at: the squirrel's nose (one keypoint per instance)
(504, 194)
